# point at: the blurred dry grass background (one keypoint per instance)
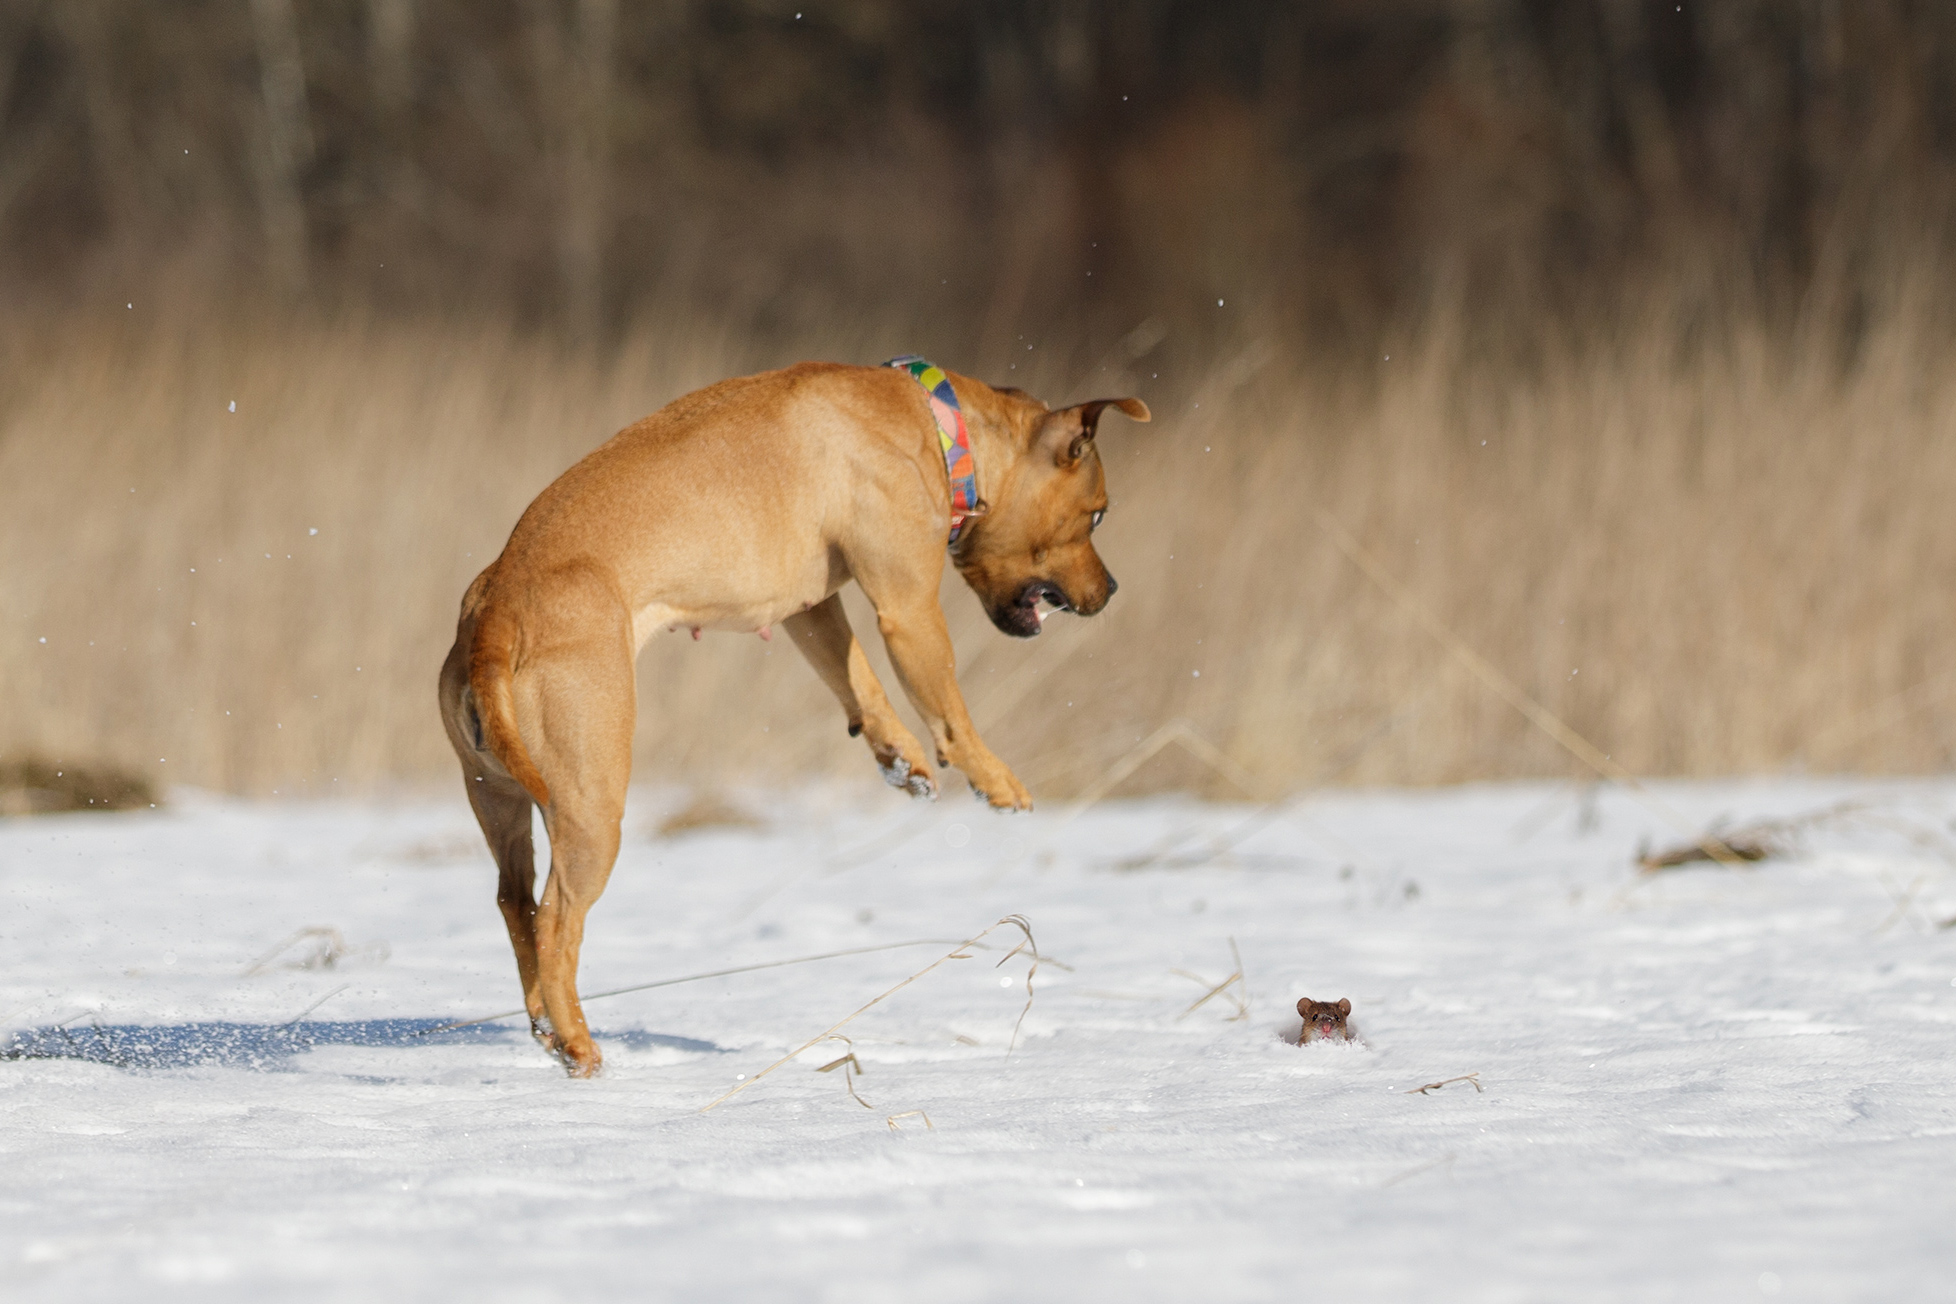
(1729, 563)
(1623, 335)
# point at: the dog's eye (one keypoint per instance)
(1096, 520)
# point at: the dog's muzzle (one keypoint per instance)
(1022, 617)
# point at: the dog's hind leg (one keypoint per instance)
(824, 637)
(576, 701)
(502, 810)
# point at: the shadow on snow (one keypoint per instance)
(267, 1046)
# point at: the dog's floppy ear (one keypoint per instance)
(1067, 432)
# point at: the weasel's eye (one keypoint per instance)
(1096, 519)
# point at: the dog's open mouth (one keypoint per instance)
(1044, 600)
(1029, 610)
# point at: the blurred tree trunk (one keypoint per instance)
(390, 74)
(90, 32)
(587, 210)
(390, 61)
(285, 143)
(16, 23)
(24, 140)
(575, 75)
(1653, 148)
(1020, 57)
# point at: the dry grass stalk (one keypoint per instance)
(329, 950)
(1508, 691)
(1444, 1161)
(910, 1113)
(961, 951)
(1740, 846)
(906, 828)
(1178, 732)
(850, 1066)
(1903, 900)
(1925, 837)
(1240, 998)
(300, 1017)
(1472, 1079)
(1762, 840)
(1029, 946)
(1270, 811)
(1582, 793)
(723, 973)
(1885, 715)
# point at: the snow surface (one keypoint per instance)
(1707, 1084)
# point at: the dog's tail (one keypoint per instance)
(491, 673)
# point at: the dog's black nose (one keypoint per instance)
(1113, 586)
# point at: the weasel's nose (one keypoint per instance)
(1113, 586)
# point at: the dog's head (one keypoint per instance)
(1034, 542)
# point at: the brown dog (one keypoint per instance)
(748, 503)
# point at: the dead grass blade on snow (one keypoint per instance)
(962, 951)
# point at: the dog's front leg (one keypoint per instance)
(920, 649)
(824, 637)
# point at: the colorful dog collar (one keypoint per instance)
(951, 435)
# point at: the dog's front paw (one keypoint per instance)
(899, 773)
(1006, 794)
(580, 1061)
(900, 758)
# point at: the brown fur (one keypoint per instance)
(748, 503)
(1324, 1020)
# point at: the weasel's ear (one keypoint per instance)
(1344, 1006)
(1066, 433)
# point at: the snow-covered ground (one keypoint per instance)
(1707, 1084)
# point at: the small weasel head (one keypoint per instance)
(1324, 1020)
